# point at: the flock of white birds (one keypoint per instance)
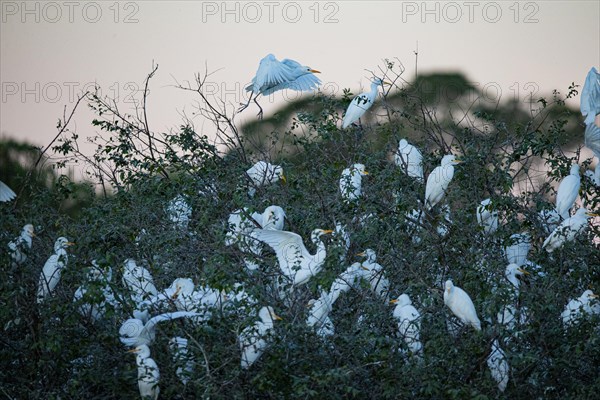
(249, 231)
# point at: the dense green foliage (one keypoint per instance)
(514, 157)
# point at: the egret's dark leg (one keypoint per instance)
(244, 106)
(260, 113)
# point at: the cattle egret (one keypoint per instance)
(461, 305)
(273, 75)
(53, 267)
(361, 103)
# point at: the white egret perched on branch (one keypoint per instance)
(182, 358)
(346, 280)
(361, 103)
(252, 339)
(273, 75)
(487, 217)
(590, 96)
(53, 267)
(498, 365)
(264, 173)
(101, 277)
(439, 179)
(595, 175)
(148, 373)
(518, 248)
(374, 274)
(318, 315)
(351, 182)
(574, 308)
(139, 281)
(19, 247)
(6, 193)
(567, 230)
(295, 262)
(409, 323)
(410, 160)
(461, 305)
(567, 192)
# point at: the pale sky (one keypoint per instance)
(50, 51)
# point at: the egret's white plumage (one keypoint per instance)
(567, 230)
(461, 305)
(318, 314)
(592, 139)
(6, 193)
(264, 173)
(53, 267)
(567, 192)
(550, 219)
(374, 274)
(179, 212)
(414, 219)
(439, 179)
(346, 280)
(577, 308)
(594, 175)
(20, 246)
(498, 365)
(590, 96)
(101, 277)
(511, 273)
(139, 281)
(361, 103)
(181, 358)
(409, 323)
(295, 262)
(518, 248)
(351, 182)
(148, 373)
(487, 217)
(134, 332)
(253, 341)
(510, 316)
(273, 75)
(410, 160)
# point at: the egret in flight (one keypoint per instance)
(439, 179)
(361, 103)
(273, 75)
(567, 192)
(567, 230)
(590, 96)
(592, 139)
(461, 305)
(6, 193)
(52, 270)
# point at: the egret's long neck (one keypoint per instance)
(373, 93)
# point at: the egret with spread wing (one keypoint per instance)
(273, 75)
